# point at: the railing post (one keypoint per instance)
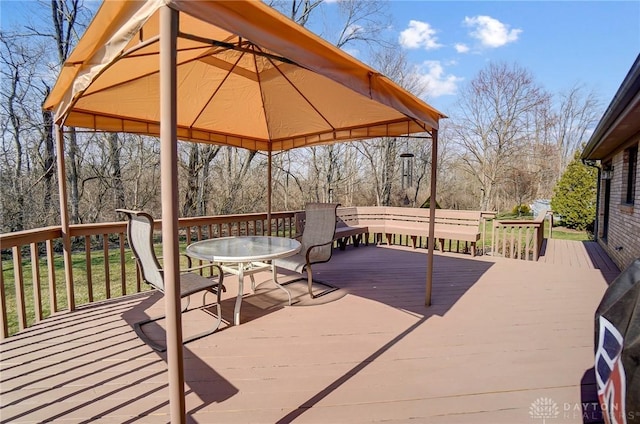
(4, 325)
(18, 281)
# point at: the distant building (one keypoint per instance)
(614, 144)
(540, 205)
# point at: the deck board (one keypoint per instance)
(499, 334)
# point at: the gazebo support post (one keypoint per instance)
(269, 190)
(432, 215)
(169, 196)
(64, 218)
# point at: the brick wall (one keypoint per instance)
(622, 243)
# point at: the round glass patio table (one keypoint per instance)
(244, 255)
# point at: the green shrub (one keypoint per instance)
(574, 196)
(520, 210)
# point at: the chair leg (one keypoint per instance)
(211, 330)
(160, 348)
(310, 282)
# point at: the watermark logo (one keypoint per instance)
(544, 409)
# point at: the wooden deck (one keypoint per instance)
(578, 254)
(500, 335)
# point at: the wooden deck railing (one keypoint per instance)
(520, 239)
(103, 268)
(32, 281)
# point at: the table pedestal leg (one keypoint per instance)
(236, 312)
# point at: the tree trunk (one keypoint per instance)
(189, 207)
(49, 161)
(74, 176)
(18, 191)
(116, 171)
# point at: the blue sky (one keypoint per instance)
(562, 43)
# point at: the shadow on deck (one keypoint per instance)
(498, 335)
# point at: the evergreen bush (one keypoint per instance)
(574, 196)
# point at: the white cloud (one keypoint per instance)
(461, 48)
(419, 34)
(491, 32)
(432, 74)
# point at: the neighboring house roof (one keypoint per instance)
(621, 121)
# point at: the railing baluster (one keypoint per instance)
(521, 241)
(4, 325)
(51, 270)
(35, 277)
(19, 285)
(504, 242)
(107, 276)
(87, 258)
(536, 247)
(123, 271)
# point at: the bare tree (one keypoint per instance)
(333, 169)
(64, 31)
(232, 171)
(197, 172)
(383, 155)
(116, 171)
(144, 171)
(495, 109)
(578, 112)
(18, 70)
(190, 204)
(363, 23)
(49, 154)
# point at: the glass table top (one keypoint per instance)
(243, 248)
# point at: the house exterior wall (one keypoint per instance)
(622, 241)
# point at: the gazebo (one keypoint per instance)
(223, 72)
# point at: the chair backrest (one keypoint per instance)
(319, 228)
(140, 234)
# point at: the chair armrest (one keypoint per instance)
(195, 268)
(310, 248)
